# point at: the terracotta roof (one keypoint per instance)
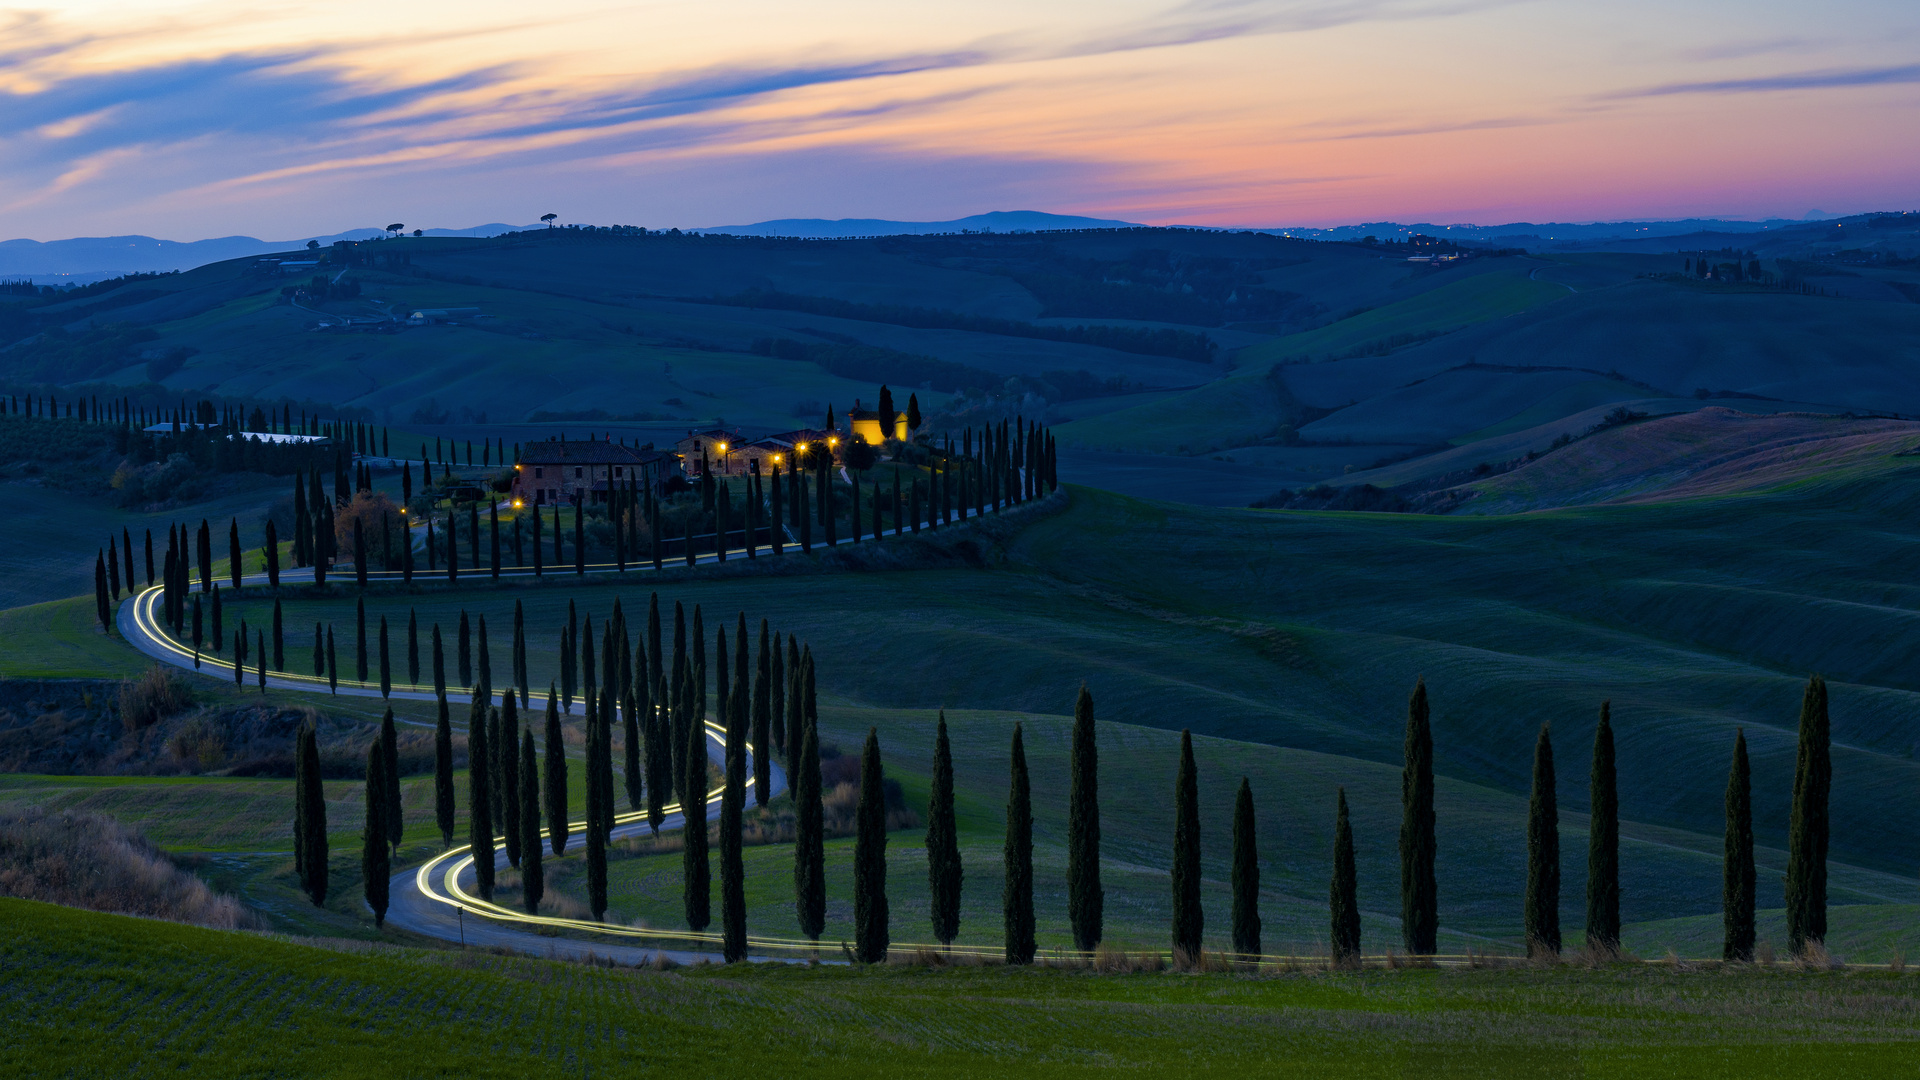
(595, 452)
(795, 438)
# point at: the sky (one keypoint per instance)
(184, 119)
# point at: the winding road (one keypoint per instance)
(436, 897)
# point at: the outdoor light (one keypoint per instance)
(723, 447)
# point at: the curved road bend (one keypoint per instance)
(434, 899)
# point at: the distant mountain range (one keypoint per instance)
(998, 221)
(90, 258)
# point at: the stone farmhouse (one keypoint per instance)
(558, 471)
(726, 453)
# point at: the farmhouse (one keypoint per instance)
(558, 471)
(706, 451)
(870, 425)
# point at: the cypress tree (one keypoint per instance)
(102, 607)
(300, 806)
(603, 763)
(386, 668)
(733, 800)
(443, 809)
(796, 727)
(1246, 875)
(777, 703)
(390, 755)
(1344, 901)
(1419, 893)
(479, 799)
(1016, 894)
(809, 839)
(944, 871)
(507, 774)
(483, 654)
(870, 937)
(1543, 854)
(1738, 878)
(596, 866)
(1085, 897)
(270, 551)
(374, 865)
(519, 657)
(631, 717)
(495, 796)
(762, 715)
(1806, 881)
(566, 668)
(659, 757)
(556, 786)
(313, 817)
(1188, 919)
(1603, 843)
(533, 879)
(697, 897)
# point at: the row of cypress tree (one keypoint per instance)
(1807, 844)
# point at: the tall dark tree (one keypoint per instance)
(697, 880)
(390, 754)
(507, 774)
(809, 838)
(870, 936)
(312, 816)
(1085, 897)
(596, 867)
(1603, 843)
(102, 607)
(1806, 882)
(556, 778)
(762, 727)
(532, 876)
(1016, 892)
(374, 864)
(386, 665)
(659, 757)
(1419, 894)
(1344, 901)
(1246, 875)
(479, 799)
(520, 650)
(634, 723)
(443, 806)
(1543, 854)
(733, 802)
(1738, 882)
(944, 872)
(1188, 919)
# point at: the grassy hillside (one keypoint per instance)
(1303, 632)
(102, 993)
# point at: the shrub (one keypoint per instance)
(90, 861)
(151, 698)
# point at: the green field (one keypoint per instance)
(106, 995)
(1297, 636)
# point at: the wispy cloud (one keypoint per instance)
(1766, 84)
